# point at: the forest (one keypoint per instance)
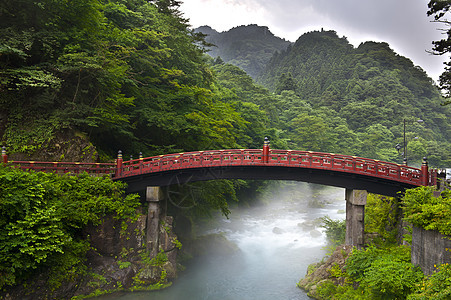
(332, 97)
(134, 76)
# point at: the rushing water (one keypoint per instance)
(276, 244)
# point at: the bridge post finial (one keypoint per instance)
(119, 164)
(425, 172)
(140, 155)
(4, 155)
(265, 156)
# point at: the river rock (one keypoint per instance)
(307, 225)
(315, 233)
(277, 230)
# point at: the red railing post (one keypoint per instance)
(119, 164)
(140, 162)
(4, 155)
(265, 156)
(424, 172)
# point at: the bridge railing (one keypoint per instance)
(289, 158)
(240, 157)
(186, 160)
(346, 163)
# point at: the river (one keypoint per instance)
(276, 242)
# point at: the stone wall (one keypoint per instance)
(429, 249)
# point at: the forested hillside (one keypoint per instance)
(130, 76)
(248, 47)
(371, 90)
(326, 95)
(135, 77)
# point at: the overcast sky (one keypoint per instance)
(401, 23)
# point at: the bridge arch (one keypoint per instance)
(344, 171)
(357, 175)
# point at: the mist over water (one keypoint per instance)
(276, 242)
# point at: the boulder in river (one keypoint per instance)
(277, 230)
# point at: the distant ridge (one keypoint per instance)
(249, 47)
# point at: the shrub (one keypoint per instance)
(41, 216)
(335, 230)
(384, 273)
(437, 286)
(424, 210)
(381, 218)
(388, 279)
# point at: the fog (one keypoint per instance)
(275, 241)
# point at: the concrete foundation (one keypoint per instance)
(430, 248)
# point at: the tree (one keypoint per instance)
(439, 10)
(286, 83)
(311, 133)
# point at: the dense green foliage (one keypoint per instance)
(439, 9)
(329, 96)
(372, 273)
(437, 286)
(384, 273)
(128, 73)
(421, 208)
(41, 217)
(355, 100)
(335, 231)
(383, 270)
(133, 76)
(381, 219)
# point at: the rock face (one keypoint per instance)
(118, 260)
(123, 257)
(66, 145)
(321, 272)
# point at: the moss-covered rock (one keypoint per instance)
(325, 271)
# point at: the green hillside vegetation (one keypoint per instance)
(42, 217)
(248, 47)
(135, 77)
(362, 95)
(132, 75)
(383, 269)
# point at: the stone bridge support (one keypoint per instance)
(153, 198)
(355, 217)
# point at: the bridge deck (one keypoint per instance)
(248, 164)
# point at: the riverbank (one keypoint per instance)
(326, 271)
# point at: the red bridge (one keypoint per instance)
(345, 171)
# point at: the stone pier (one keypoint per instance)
(355, 217)
(153, 197)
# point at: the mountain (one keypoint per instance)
(373, 88)
(327, 95)
(248, 47)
